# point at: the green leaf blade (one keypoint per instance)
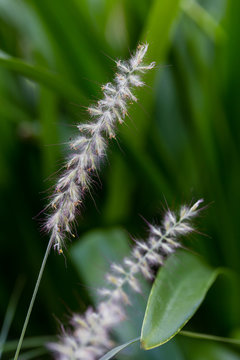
(178, 291)
(43, 76)
(110, 354)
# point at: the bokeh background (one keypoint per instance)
(181, 143)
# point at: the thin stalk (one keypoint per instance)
(112, 353)
(33, 299)
(209, 337)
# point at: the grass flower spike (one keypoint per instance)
(90, 335)
(89, 147)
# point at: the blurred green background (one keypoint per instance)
(180, 143)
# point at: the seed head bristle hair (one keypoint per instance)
(90, 335)
(89, 148)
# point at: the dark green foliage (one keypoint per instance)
(180, 143)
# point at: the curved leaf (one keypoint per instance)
(42, 75)
(178, 291)
(204, 20)
(117, 349)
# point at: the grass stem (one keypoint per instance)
(33, 299)
(209, 337)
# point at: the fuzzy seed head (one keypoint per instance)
(89, 148)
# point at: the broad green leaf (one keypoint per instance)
(178, 291)
(98, 249)
(117, 349)
(42, 75)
